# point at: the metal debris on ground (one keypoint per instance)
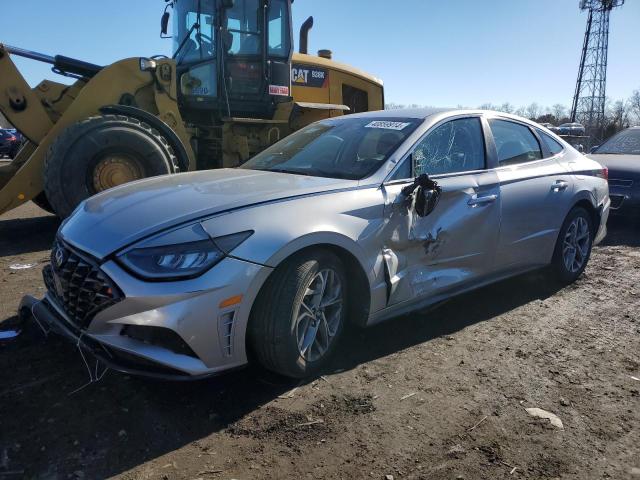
(313, 422)
(22, 266)
(409, 395)
(552, 417)
(478, 424)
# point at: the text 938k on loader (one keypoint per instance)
(232, 87)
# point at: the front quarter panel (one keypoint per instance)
(349, 219)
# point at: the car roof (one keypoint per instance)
(424, 113)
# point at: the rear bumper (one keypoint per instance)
(48, 317)
(625, 200)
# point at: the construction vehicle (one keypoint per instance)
(232, 88)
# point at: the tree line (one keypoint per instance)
(619, 114)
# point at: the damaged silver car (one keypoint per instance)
(354, 219)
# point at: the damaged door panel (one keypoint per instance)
(449, 237)
(454, 244)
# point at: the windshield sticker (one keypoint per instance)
(388, 125)
(279, 90)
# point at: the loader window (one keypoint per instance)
(199, 46)
(244, 26)
(279, 29)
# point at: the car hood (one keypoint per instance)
(618, 163)
(118, 217)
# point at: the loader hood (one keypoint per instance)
(114, 219)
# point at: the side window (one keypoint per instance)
(455, 146)
(553, 146)
(403, 172)
(515, 142)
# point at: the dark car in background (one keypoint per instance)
(621, 155)
(10, 141)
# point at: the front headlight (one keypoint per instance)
(184, 253)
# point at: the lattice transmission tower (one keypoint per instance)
(590, 96)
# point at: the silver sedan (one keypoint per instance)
(354, 219)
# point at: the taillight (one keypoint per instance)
(605, 173)
(12, 138)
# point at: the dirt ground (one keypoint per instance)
(434, 395)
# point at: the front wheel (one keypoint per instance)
(300, 314)
(573, 247)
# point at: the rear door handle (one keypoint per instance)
(476, 200)
(560, 185)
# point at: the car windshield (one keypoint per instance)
(350, 148)
(626, 142)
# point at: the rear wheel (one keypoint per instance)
(101, 153)
(573, 247)
(300, 314)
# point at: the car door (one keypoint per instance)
(534, 189)
(455, 243)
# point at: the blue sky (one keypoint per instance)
(428, 52)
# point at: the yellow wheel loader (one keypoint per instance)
(232, 88)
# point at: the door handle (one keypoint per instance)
(560, 186)
(476, 200)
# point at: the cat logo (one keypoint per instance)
(303, 76)
(300, 75)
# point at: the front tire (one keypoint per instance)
(573, 247)
(101, 153)
(300, 314)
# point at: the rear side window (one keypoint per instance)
(515, 142)
(553, 146)
(455, 146)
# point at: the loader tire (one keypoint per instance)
(41, 201)
(100, 153)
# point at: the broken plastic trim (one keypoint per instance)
(427, 194)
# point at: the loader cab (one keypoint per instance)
(233, 57)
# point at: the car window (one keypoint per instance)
(455, 146)
(554, 146)
(350, 147)
(626, 142)
(515, 142)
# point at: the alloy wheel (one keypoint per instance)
(319, 315)
(577, 241)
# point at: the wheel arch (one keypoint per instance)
(352, 257)
(585, 200)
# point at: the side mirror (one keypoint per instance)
(164, 24)
(593, 149)
(424, 194)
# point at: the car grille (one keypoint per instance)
(78, 285)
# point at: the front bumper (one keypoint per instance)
(191, 310)
(625, 198)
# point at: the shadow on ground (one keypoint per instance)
(25, 235)
(121, 422)
(623, 231)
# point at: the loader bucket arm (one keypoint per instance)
(34, 116)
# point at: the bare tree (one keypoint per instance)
(521, 112)
(506, 108)
(559, 111)
(634, 106)
(487, 106)
(533, 111)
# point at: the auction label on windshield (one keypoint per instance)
(388, 125)
(279, 90)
